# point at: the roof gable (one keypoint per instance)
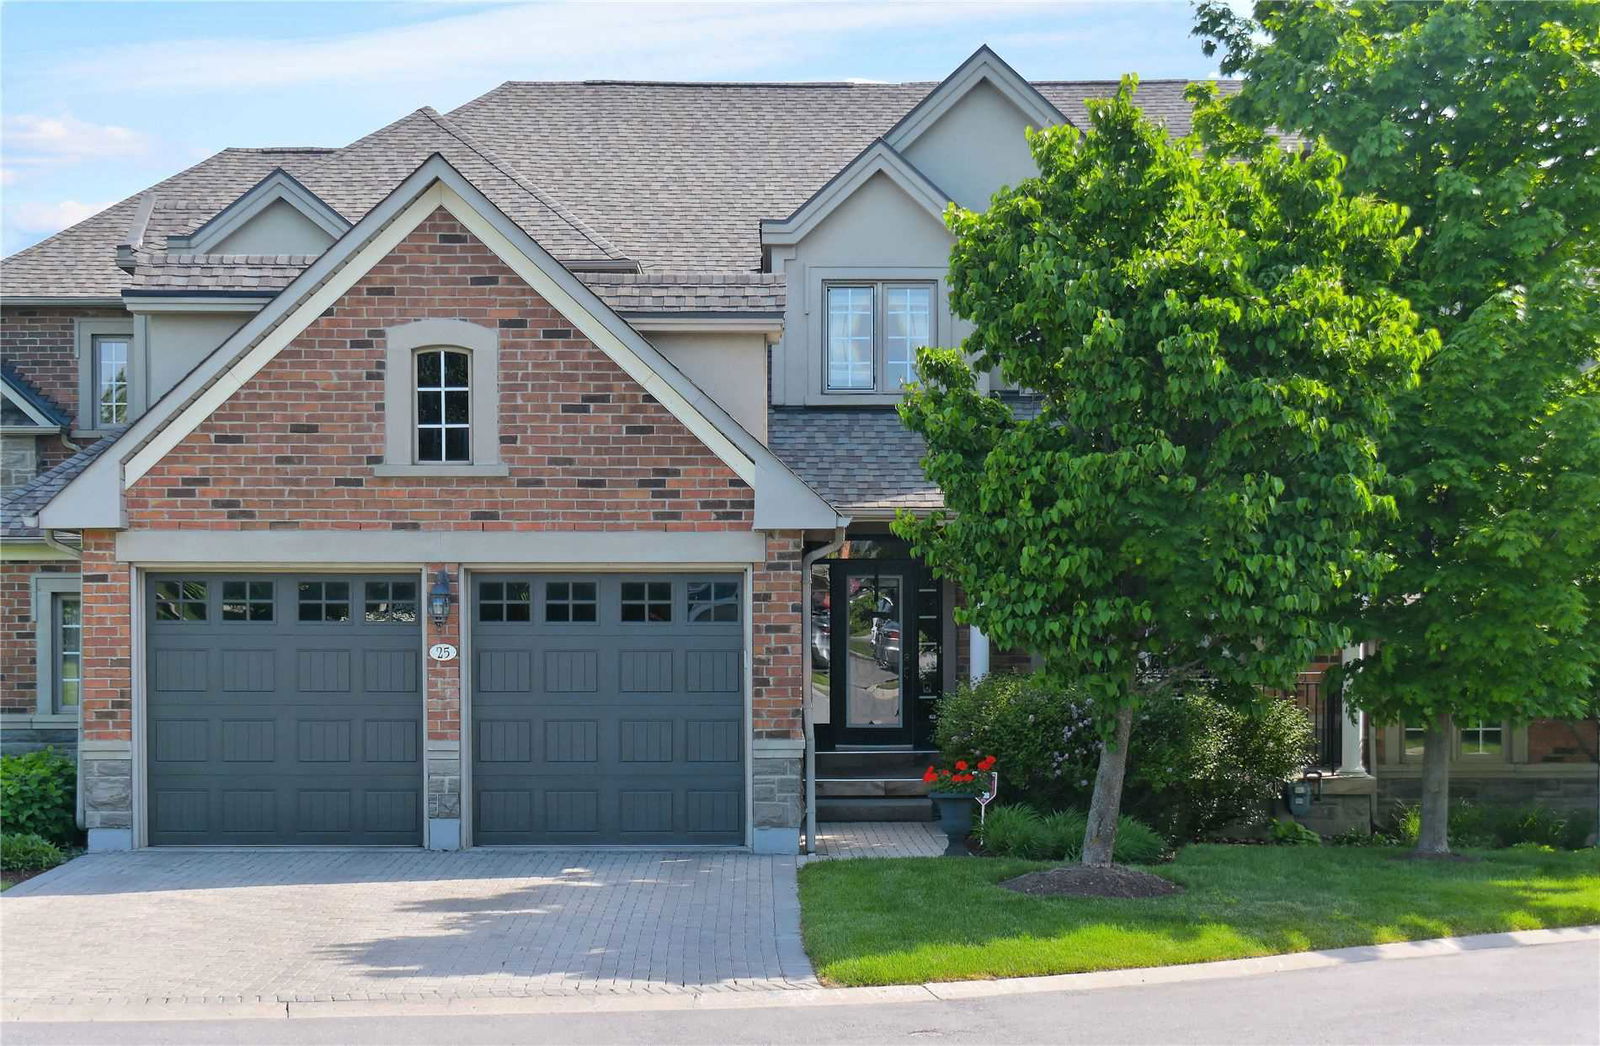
(94, 498)
(877, 158)
(29, 402)
(983, 66)
(278, 190)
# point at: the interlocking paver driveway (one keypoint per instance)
(290, 926)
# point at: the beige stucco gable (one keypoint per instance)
(975, 146)
(278, 228)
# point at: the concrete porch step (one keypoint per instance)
(874, 762)
(862, 785)
(874, 808)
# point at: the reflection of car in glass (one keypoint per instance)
(886, 643)
(821, 639)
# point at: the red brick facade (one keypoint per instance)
(776, 607)
(587, 447)
(107, 640)
(18, 634)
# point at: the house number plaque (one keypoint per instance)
(442, 652)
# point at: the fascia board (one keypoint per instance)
(279, 185)
(189, 303)
(877, 158)
(983, 65)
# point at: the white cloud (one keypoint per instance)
(44, 217)
(534, 41)
(43, 140)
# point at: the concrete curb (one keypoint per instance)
(932, 992)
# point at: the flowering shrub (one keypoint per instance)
(962, 777)
(1195, 762)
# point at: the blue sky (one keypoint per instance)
(102, 99)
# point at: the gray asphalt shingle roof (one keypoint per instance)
(673, 176)
(28, 392)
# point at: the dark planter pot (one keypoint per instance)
(955, 820)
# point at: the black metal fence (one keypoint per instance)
(1326, 712)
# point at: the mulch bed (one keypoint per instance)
(1076, 880)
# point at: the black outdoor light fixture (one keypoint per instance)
(439, 598)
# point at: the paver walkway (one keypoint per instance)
(878, 839)
(285, 926)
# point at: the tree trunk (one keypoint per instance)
(1100, 837)
(1433, 837)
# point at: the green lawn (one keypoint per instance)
(939, 919)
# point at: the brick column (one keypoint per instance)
(778, 745)
(442, 698)
(105, 750)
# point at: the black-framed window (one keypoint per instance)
(647, 601)
(505, 601)
(66, 619)
(247, 600)
(324, 601)
(571, 602)
(871, 334)
(181, 600)
(444, 406)
(713, 601)
(393, 602)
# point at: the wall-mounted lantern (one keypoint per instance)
(439, 598)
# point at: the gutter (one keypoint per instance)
(806, 563)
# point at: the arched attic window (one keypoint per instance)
(441, 400)
(444, 405)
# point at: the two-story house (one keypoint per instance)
(515, 475)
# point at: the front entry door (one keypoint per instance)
(874, 619)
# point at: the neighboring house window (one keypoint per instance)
(1475, 740)
(444, 407)
(1482, 739)
(67, 625)
(110, 379)
(441, 400)
(873, 332)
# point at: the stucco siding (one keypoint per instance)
(975, 147)
(730, 368)
(278, 229)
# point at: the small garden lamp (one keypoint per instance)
(439, 598)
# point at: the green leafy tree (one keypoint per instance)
(1483, 119)
(1214, 344)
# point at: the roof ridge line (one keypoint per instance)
(471, 141)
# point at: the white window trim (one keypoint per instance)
(880, 363)
(45, 589)
(84, 332)
(482, 344)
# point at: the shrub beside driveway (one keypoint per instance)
(934, 919)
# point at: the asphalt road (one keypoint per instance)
(1542, 994)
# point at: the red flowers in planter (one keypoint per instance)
(962, 779)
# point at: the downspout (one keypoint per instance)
(806, 562)
(78, 815)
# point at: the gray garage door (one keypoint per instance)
(608, 709)
(284, 710)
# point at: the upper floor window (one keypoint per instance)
(441, 400)
(444, 407)
(110, 379)
(872, 333)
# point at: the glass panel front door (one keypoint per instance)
(874, 690)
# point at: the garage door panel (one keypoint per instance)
(623, 727)
(277, 730)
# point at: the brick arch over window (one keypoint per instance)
(403, 343)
